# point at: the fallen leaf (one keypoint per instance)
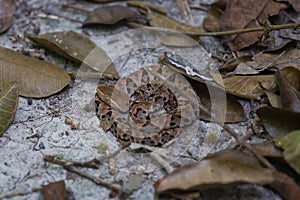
(231, 64)
(285, 186)
(249, 86)
(234, 110)
(240, 15)
(278, 121)
(55, 191)
(175, 39)
(162, 21)
(294, 3)
(222, 168)
(78, 48)
(35, 78)
(292, 74)
(290, 97)
(109, 15)
(268, 149)
(285, 59)
(212, 19)
(8, 105)
(290, 143)
(7, 10)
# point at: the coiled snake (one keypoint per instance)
(148, 106)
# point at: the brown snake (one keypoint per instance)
(148, 106)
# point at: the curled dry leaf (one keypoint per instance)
(290, 97)
(162, 21)
(78, 48)
(55, 190)
(250, 87)
(35, 78)
(8, 105)
(278, 121)
(7, 10)
(290, 143)
(240, 14)
(285, 186)
(109, 15)
(226, 167)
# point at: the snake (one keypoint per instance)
(148, 106)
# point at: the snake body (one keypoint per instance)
(148, 106)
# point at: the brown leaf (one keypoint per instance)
(263, 61)
(290, 98)
(109, 15)
(234, 110)
(78, 48)
(35, 78)
(278, 121)
(212, 19)
(249, 86)
(285, 186)
(7, 10)
(175, 39)
(294, 3)
(240, 14)
(222, 168)
(162, 21)
(231, 64)
(8, 105)
(55, 191)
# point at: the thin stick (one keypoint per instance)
(17, 194)
(68, 166)
(66, 5)
(255, 29)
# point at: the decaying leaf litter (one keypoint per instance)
(272, 71)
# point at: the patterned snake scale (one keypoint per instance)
(148, 106)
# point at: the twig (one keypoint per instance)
(68, 166)
(17, 194)
(66, 5)
(247, 30)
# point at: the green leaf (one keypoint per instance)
(8, 105)
(291, 145)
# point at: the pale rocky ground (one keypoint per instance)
(22, 166)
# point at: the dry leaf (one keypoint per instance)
(240, 14)
(268, 149)
(234, 110)
(55, 191)
(285, 186)
(278, 121)
(290, 143)
(35, 78)
(162, 21)
(231, 64)
(290, 97)
(175, 39)
(7, 9)
(263, 61)
(109, 15)
(222, 168)
(8, 105)
(78, 48)
(212, 19)
(250, 87)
